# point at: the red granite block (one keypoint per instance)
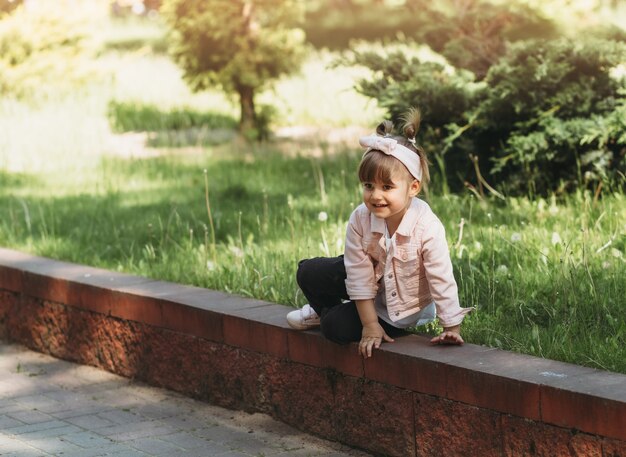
(138, 308)
(114, 344)
(374, 416)
(311, 348)
(304, 397)
(40, 325)
(499, 393)
(7, 301)
(193, 321)
(613, 448)
(398, 364)
(89, 297)
(45, 287)
(213, 300)
(526, 437)
(10, 278)
(171, 360)
(444, 427)
(233, 377)
(599, 411)
(256, 336)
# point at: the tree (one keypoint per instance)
(238, 45)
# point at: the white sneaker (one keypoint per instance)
(302, 319)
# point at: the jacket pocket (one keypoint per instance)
(406, 266)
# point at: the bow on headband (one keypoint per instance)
(391, 147)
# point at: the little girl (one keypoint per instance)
(396, 270)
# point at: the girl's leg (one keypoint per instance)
(322, 280)
(342, 324)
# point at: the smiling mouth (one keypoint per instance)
(379, 205)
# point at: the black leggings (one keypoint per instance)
(322, 281)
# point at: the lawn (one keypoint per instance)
(546, 275)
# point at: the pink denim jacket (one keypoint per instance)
(417, 270)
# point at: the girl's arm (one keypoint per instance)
(373, 334)
(443, 287)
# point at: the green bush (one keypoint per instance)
(43, 49)
(548, 116)
(138, 117)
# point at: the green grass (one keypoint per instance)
(546, 276)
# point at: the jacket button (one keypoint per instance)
(393, 294)
(390, 275)
(404, 257)
(397, 313)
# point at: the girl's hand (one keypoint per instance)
(371, 337)
(450, 335)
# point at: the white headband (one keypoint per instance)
(391, 147)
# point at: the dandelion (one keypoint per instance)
(478, 246)
(606, 265)
(556, 238)
(516, 237)
(502, 269)
(237, 252)
(322, 216)
(210, 265)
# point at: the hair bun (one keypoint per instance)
(384, 128)
(412, 120)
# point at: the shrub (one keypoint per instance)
(137, 117)
(549, 114)
(41, 49)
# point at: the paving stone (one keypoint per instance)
(54, 445)
(184, 440)
(90, 421)
(50, 432)
(97, 451)
(30, 417)
(8, 422)
(154, 446)
(29, 428)
(78, 411)
(87, 439)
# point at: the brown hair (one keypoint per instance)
(378, 166)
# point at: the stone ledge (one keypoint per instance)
(191, 340)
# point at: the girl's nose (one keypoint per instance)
(376, 194)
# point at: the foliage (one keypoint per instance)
(138, 117)
(547, 117)
(42, 45)
(545, 276)
(238, 45)
(6, 6)
(470, 34)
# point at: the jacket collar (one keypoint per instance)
(377, 224)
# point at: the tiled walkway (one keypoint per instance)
(50, 407)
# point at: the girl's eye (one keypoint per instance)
(367, 185)
(387, 187)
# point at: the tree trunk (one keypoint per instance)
(248, 114)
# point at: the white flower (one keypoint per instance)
(502, 269)
(516, 237)
(478, 246)
(210, 265)
(553, 210)
(616, 253)
(556, 238)
(236, 251)
(322, 216)
(606, 265)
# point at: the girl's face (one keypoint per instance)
(390, 200)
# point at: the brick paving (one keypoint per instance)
(50, 407)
